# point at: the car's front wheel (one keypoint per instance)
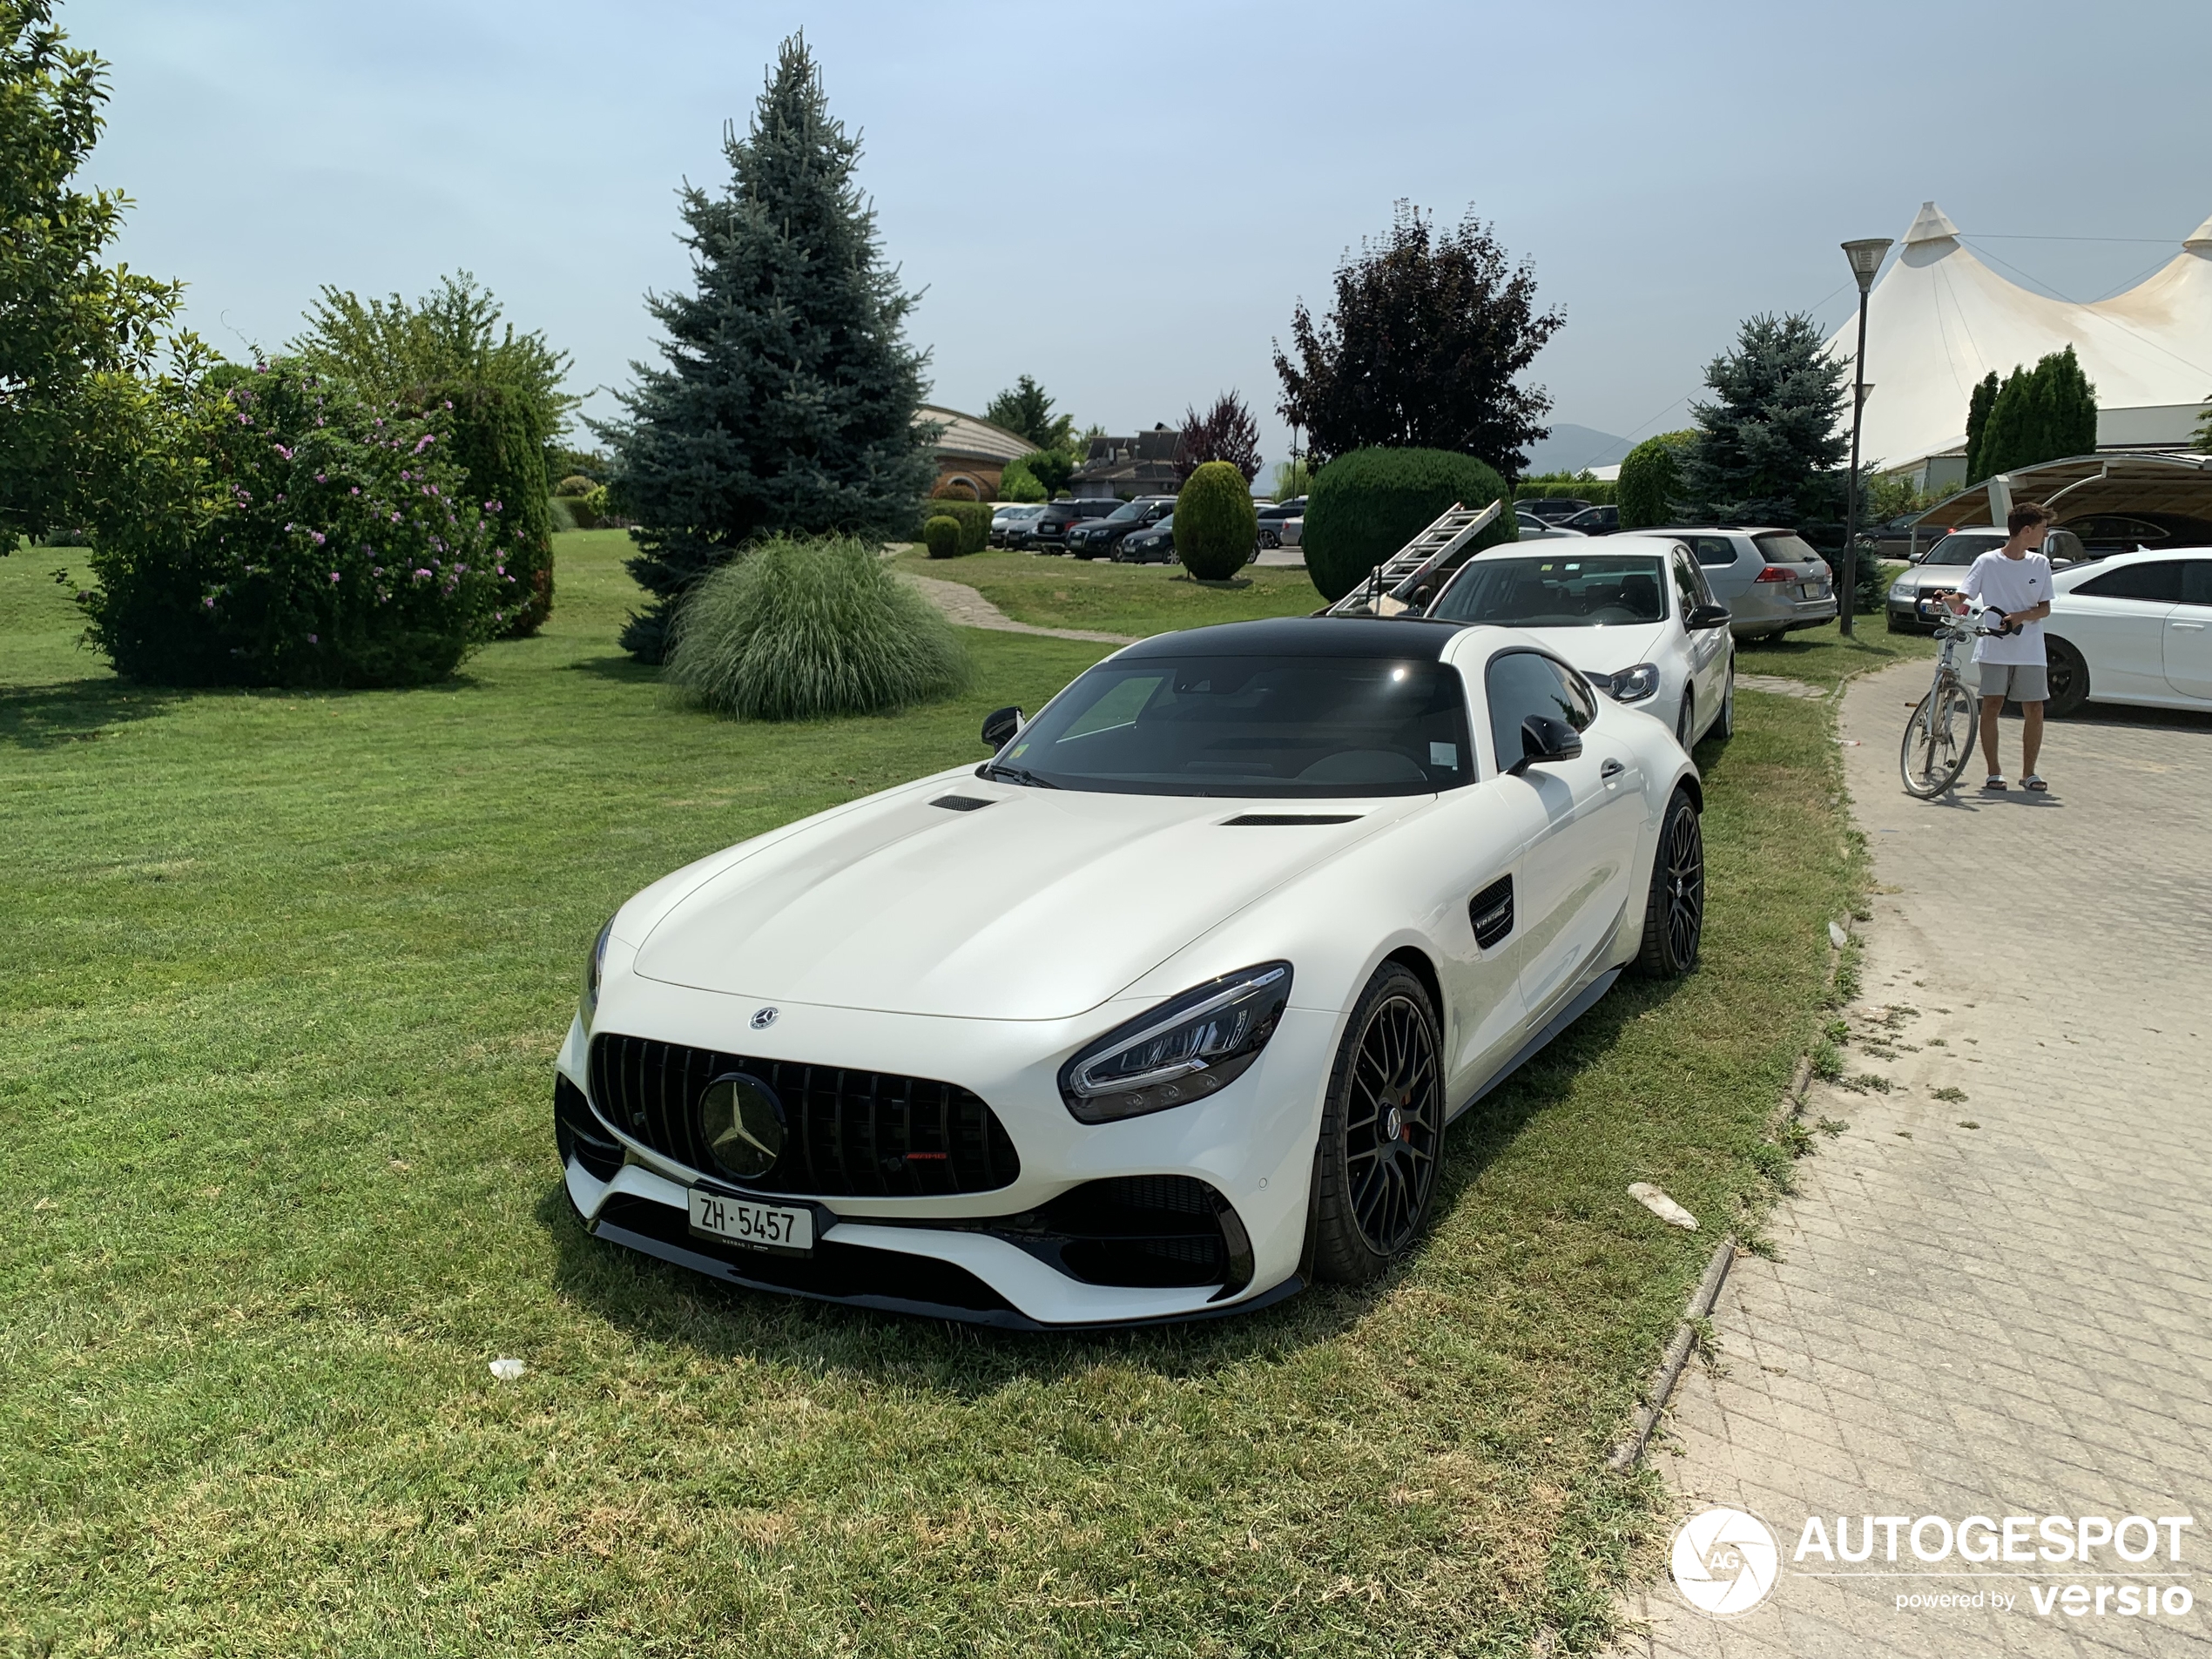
(1382, 1132)
(2069, 674)
(1673, 909)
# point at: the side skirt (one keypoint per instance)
(1559, 1022)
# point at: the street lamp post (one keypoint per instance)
(1865, 257)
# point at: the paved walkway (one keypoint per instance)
(1992, 1290)
(969, 609)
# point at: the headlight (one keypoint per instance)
(1631, 684)
(1900, 590)
(1182, 1050)
(592, 970)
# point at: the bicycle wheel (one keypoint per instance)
(1939, 740)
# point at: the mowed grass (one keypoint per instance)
(286, 977)
(1057, 591)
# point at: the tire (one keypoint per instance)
(1899, 627)
(1673, 910)
(1269, 538)
(2068, 673)
(1724, 727)
(1933, 753)
(1372, 1189)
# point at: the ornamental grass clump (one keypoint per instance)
(293, 535)
(795, 630)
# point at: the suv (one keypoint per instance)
(1049, 533)
(1097, 536)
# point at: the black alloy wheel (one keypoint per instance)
(1674, 912)
(1382, 1133)
(2068, 676)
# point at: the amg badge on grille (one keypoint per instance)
(763, 1018)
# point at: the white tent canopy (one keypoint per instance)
(1939, 319)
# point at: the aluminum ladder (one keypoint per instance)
(1387, 592)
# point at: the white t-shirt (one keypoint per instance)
(2011, 585)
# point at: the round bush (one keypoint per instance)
(795, 630)
(942, 536)
(1366, 504)
(1650, 479)
(1215, 524)
(308, 540)
(575, 484)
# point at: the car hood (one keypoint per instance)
(1037, 907)
(1600, 650)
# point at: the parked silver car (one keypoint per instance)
(1772, 581)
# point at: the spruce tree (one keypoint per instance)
(1771, 447)
(787, 392)
(1977, 407)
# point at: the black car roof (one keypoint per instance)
(1305, 637)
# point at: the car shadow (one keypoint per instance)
(49, 717)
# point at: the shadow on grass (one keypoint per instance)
(47, 716)
(659, 1303)
(626, 669)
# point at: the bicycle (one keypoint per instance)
(1934, 752)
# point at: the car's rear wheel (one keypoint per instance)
(2067, 672)
(1382, 1132)
(1673, 910)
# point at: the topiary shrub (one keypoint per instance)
(297, 538)
(1215, 524)
(973, 518)
(942, 536)
(1651, 479)
(575, 484)
(1366, 504)
(796, 629)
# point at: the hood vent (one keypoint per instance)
(959, 803)
(1247, 821)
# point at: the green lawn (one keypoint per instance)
(1054, 590)
(286, 975)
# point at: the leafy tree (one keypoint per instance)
(1018, 482)
(1292, 478)
(1051, 469)
(785, 400)
(1979, 404)
(1024, 409)
(1225, 432)
(1770, 446)
(1651, 479)
(1421, 348)
(2039, 414)
(76, 335)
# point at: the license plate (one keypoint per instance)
(1813, 589)
(763, 1226)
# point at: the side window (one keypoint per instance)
(1522, 683)
(2158, 581)
(2196, 582)
(1686, 584)
(1713, 550)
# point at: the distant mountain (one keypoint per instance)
(1570, 448)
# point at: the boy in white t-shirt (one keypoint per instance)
(2014, 581)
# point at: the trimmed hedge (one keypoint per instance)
(941, 536)
(1368, 503)
(973, 518)
(1597, 491)
(1215, 524)
(1651, 479)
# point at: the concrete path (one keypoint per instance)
(1992, 1292)
(969, 609)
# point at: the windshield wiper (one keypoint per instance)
(1012, 775)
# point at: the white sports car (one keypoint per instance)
(1159, 1013)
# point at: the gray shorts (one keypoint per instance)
(2019, 682)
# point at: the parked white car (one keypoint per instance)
(1160, 1012)
(1291, 532)
(2132, 628)
(1633, 613)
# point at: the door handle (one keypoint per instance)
(2193, 627)
(1610, 769)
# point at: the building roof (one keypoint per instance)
(968, 437)
(1939, 319)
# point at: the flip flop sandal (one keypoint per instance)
(1992, 783)
(2034, 783)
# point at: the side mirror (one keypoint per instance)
(1001, 727)
(1544, 739)
(1706, 617)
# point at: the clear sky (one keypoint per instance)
(1126, 200)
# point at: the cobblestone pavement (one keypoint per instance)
(1992, 1289)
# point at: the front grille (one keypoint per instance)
(849, 1133)
(1155, 1230)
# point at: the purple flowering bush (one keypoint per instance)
(302, 539)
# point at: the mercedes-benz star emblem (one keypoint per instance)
(763, 1018)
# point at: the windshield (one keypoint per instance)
(1594, 591)
(1301, 727)
(1126, 511)
(1961, 550)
